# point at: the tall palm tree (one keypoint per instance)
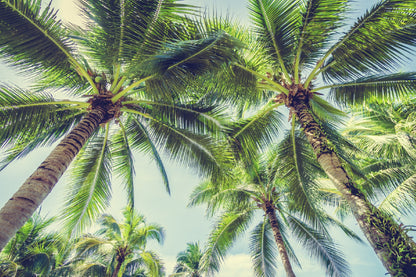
(282, 185)
(189, 262)
(120, 248)
(296, 47)
(130, 61)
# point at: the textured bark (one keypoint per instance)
(34, 190)
(364, 212)
(271, 214)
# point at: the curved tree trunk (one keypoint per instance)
(34, 190)
(271, 214)
(380, 230)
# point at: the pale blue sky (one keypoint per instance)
(182, 224)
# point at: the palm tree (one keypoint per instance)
(282, 185)
(294, 48)
(387, 133)
(34, 251)
(130, 61)
(188, 262)
(120, 249)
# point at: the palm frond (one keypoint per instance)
(320, 246)
(320, 20)
(199, 151)
(31, 37)
(376, 42)
(183, 60)
(123, 166)
(263, 250)
(391, 86)
(226, 230)
(90, 190)
(299, 171)
(325, 111)
(277, 24)
(249, 136)
(26, 116)
(402, 199)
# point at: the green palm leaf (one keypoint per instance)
(375, 43)
(248, 136)
(36, 38)
(123, 166)
(402, 198)
(277, 24)
(320, 19)
(263, 250)
(320, 246)
(227, 229)
(25, 116)
(90, 191)
(390, 86)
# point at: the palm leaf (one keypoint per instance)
(320, 20)
(263, 250)
(320, 246)
(277, 24)
(227, 229)
(402, 198)
(123, 165)
(185, 59)
(248, 136)
(141, 139)
(387, 29)
(26, 116)
(297, 161)
(31, 37)
(391, 86)
(90, 190)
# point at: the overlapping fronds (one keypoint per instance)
(123, 166)
(299, 171)
(390, 86)
(183, 60)
(248, 136)
(277, 23)
(190, 149)
(263, 250)
(320, 21)
(326, 111)
(128, 31)
(378, 41)
(226, 230)
(89, 192)
(32, 38)
(321, 247)
(402, 199)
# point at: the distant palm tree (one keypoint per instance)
(120, 248)
(131, 62)
(35, 251)
(189, 262)
(295, 46)
(282, 185)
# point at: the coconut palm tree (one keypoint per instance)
(110, 87)
(35, 251)
(120, 248)
(189, 262)
(295, 48)
(282, 185)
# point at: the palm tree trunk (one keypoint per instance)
(271, 214)
(34, 190)
(117, 269)
(383, 233)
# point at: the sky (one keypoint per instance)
(182, 224)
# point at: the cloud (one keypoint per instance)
(236, 265)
